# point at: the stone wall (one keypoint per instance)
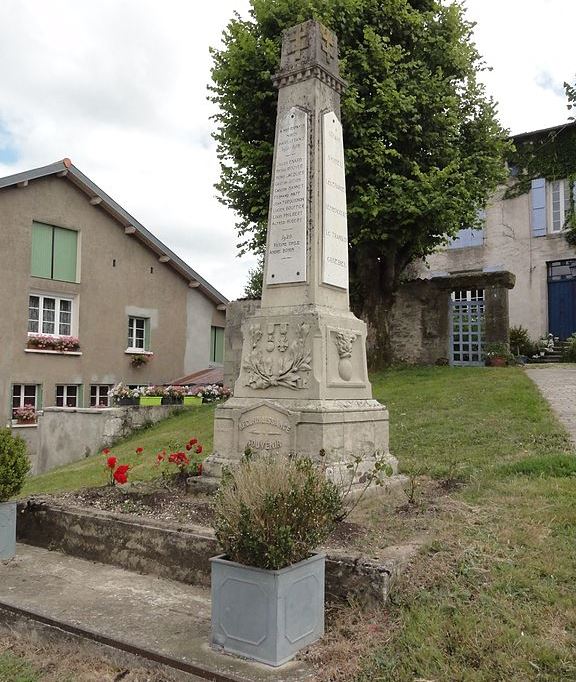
(236, 313)
(67, 434)
(509, 245)
(419, 325)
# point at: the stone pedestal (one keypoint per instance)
(303, 385)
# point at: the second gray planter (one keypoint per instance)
(267, 615)
(7, 530)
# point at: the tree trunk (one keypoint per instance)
(376, 279)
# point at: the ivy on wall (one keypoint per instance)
(549, 154)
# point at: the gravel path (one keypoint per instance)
(558, 385)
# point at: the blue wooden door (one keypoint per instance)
(562, 308)
(562, 297)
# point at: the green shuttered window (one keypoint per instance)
(217, 345)
(54, 252)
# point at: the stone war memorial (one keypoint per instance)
(303, 385)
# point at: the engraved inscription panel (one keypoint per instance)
(335, 232)
(286, 256)
(264, 429)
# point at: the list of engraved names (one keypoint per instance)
(286, 258)
(335, 248)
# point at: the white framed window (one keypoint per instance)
(51, 315)
(99, 395)
(67, 395)
(25, 394)
(138, 333)
(559, 204)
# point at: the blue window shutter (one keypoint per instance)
(538, 199)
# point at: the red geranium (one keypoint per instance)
(160, 457)
(188, 446)
(106, 451)
(193, 441)
(139, 451)
(111, 462)
(198, 449)
(121, 473)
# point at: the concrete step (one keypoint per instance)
(162, 623)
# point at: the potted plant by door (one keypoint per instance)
(271, 513)
(14, 465)
(497, 354)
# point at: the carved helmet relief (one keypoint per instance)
(283, 359)
(344, 341)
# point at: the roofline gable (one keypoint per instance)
(68, 171)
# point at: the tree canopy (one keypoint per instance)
(423, 146)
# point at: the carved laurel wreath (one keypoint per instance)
(279, 363)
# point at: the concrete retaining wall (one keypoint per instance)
(67, 434)
(29, 433)
(180, 554)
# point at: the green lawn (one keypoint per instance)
(170, 434)
(16, 669)
(492, 597)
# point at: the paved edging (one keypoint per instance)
(181, 553)
(26, 622)
(558, 386)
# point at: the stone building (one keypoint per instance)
(458, 302)
(75, 264)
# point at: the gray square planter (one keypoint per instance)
(267, 615)
(7, 530)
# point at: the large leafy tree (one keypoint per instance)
(423, 147)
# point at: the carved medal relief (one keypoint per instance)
(286, 249)
(278, 354)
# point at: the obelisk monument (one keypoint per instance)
(303, 385)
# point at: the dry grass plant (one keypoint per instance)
(273, 511)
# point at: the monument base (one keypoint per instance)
(333, 432)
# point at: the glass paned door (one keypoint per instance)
(467, 327)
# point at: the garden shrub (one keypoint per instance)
(570, 349)
(14, 464)
(273, 511)
(520, 342)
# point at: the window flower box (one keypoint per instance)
(192, 400)
(124, 402)
(25, 415)
(149, 400)
(173, 395)
(60, 344)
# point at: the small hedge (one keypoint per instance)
(272, 512)
(14, 464)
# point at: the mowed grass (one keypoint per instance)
(170, 434)
(493, 595)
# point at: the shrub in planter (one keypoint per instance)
(271, 513)
(497, 354)
(14, 465)
(173, 395)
